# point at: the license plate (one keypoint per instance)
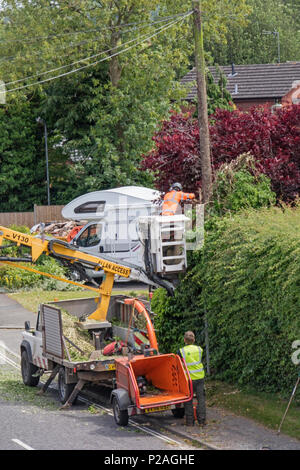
(157, 408)
(111, 367)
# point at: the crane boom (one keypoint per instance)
(68, 254)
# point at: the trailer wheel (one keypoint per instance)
(178, 412)
(64, 389)
(121, 416)
(27, 370)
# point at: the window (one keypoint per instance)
(91, 236)
(90, 207)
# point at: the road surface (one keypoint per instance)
(31, 422)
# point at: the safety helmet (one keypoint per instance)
(176, 187)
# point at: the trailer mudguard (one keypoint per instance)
(122, 397)
(25, 345)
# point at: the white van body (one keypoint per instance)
(110, 219)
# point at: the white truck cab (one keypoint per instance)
(32, 357)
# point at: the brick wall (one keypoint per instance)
(245, 105)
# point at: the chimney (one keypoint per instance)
(236, 89)
(233, 72)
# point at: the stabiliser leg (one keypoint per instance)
(77, 389)
(51, 378)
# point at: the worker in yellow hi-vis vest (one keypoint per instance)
(192, 356)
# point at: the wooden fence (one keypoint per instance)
(39, 214)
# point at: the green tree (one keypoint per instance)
(22, 176)
(247, 44)
(100, 119)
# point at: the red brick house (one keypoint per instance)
(250, 85)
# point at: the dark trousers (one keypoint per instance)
(198, 389)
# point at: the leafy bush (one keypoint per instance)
(20, 228)
(15, 278)
(238, 185)
(272, 139)
(246, 281)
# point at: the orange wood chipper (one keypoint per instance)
(149, 382)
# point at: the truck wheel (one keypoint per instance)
(64, 389)
(27, 370)
(121, 416)
(178, 412)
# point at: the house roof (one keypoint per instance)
(253, 81)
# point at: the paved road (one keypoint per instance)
(13, 315)
(37, 427)
(37, 423)
(43, 429)
(224, 430)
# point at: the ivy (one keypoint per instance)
(246, 282)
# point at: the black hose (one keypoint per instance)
(150, 270)
(15, 260)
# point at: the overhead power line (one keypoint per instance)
(158, 31)
(93, 30)
(64, 46)
(39, 74)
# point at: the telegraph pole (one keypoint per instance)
(202, 104)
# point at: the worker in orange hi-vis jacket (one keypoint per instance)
(74, 232)
(173, 198)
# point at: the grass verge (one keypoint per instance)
(264, 408)
(12, 389)
(31, 299)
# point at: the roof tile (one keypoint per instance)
(253, 81)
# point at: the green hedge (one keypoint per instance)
(247, 280)
(14, 278)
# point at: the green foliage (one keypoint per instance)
(176, 315)
(13, 278)
(101, 119)
(20, 228)
(217, 95)
(252, 297)
(238, 185)
(246, 44)
(242, 192)
(247, 281)
(21, 168)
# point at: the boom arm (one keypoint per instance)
(68, 255)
